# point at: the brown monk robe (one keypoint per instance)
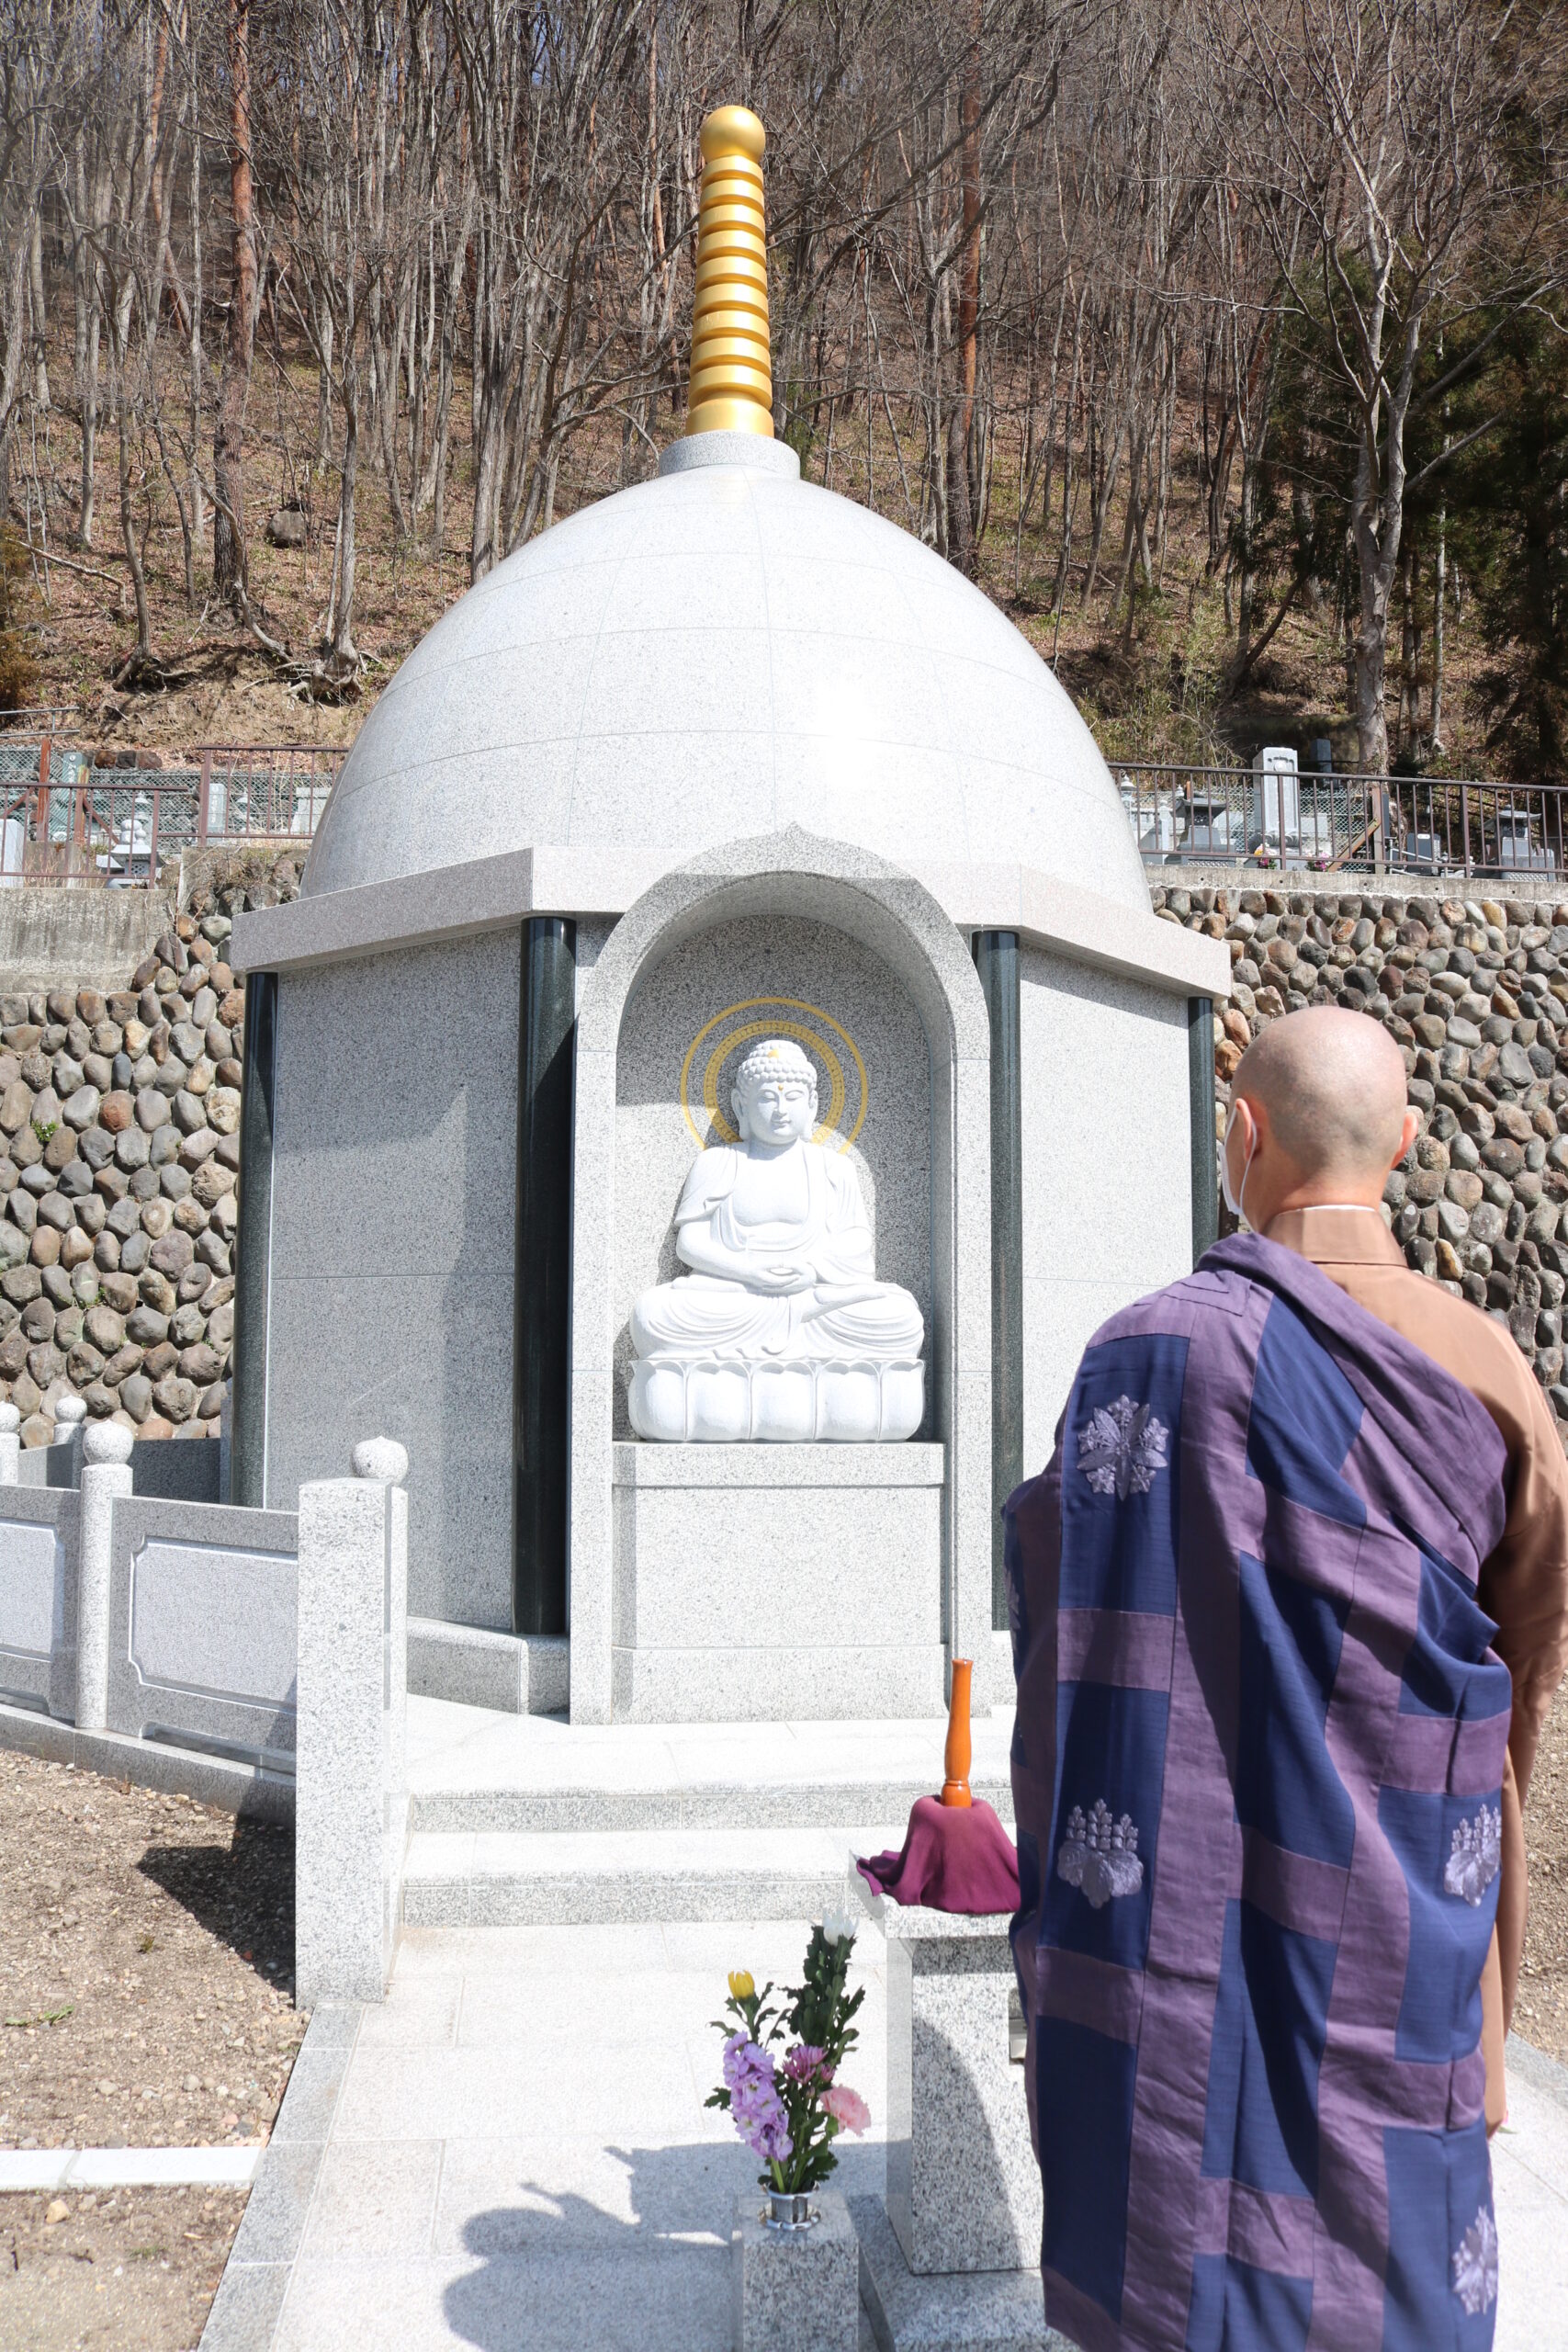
(1318, 1117)
(1524, 1585)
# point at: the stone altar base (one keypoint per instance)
(776, 1583)
(978, 2311)
(962, 2186)
(951, 2264)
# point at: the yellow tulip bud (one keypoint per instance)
(742, 1984)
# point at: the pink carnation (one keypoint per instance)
(846, 2107)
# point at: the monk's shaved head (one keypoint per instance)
(1331, 1086)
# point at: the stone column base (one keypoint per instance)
(972, 2311)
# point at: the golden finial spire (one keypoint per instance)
(732, 382)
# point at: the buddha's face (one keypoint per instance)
(776, 1108)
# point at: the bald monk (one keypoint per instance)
(1288, 1607)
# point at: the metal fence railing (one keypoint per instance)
(1317, 821)
(63, 818)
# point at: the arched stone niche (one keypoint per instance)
(874, 969)
(691, 1018)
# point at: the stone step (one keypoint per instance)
(471, 1771)
(709, 1806)
(577, 1878)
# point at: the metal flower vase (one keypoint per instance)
(788, 2212)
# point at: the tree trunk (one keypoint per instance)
(961, 486)
(1405, 736)
(229, 441)
(143, 653)
(960, 521)
(324, 395)
(344, 650)
(89, 296)
(1375, 525)
(12, 341)
(1439, 587)
(197, 489)
(40, 315)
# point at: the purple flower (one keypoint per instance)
(805, 2063)
(754, 2101)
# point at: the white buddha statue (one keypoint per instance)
(781, 1329)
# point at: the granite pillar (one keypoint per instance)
(996, 962)
(962, 2185)
(351, 1807)
(1205, 1158)
(546, 1022)
(106, 1473)
(952, 2259)
(253, 1263)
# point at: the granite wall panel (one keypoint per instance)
(393, 1218)
(1107, 1167)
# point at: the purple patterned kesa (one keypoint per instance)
(1257, 1772)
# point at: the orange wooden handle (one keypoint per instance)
(959, 1752)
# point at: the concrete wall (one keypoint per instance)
(82, 939)
(1107, 1166)
(393, 1214)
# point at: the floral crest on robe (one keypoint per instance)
(1475, 2264)
(1100, 1856)
(1475, 1856)
(1121, 1448)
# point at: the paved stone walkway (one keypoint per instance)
(512, 2153)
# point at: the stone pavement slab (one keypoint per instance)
(512, 2151)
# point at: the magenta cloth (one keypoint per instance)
(956, 1858)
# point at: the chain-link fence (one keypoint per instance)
(1318, 819)
(65, 818)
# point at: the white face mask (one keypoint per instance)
(1233, 1200)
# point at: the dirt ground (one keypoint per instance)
(146, 1964)
(127, 2270)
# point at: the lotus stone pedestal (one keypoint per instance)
(714, 1400)
(777, 1582)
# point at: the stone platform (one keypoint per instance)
(513, 2150)
(527, 1819)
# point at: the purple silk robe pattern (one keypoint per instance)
(1256, 1770)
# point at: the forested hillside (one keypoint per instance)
(1221, 340)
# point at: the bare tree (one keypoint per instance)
(1390, 124)
(229, 443)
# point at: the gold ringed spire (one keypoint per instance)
(731, 387)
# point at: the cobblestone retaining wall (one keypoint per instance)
(119, 1154)
(119, 1124)
(1475, 991)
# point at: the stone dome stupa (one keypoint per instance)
(677, 1100)
(718, 653)
(726, 651)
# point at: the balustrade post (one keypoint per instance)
(106, 1476)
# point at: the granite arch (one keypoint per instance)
(824, 881)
